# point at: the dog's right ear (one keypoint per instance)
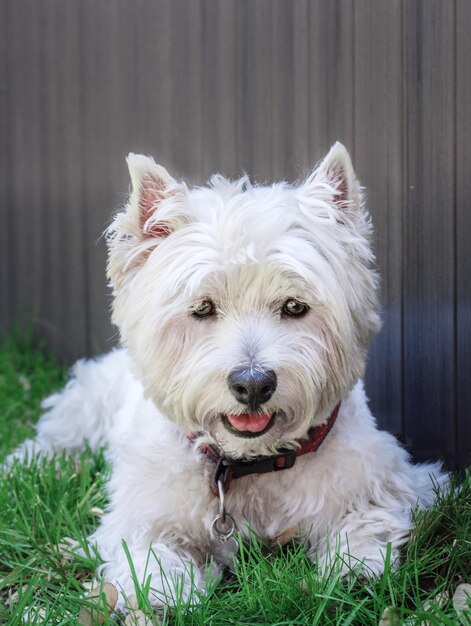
(151, 185)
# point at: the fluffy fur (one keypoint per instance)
(247, 249)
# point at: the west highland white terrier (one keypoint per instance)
(236, 403)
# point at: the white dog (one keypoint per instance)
(246, 313)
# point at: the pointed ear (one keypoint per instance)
(151, 184)
(337, 170)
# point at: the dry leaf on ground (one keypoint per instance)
(390, 617)
(462, 603)
(96, 511)
(89, 616)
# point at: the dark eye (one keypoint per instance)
(294, 308)
(205, 308)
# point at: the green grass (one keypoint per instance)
(42, 504)
(26, 376)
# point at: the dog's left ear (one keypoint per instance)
(336, 170)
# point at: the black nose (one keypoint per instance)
(252, 387)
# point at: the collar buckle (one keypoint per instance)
(222, 475)
(285, 460)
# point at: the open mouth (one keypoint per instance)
(249, 424)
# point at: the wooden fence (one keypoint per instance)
(264, 86)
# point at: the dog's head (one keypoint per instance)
(247, 309)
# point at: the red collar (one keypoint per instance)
(228, 469)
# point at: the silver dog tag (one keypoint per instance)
(223, 525)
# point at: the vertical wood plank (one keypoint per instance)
(153, 64)
(26, 186)
(378, 163)
(48, 281)
(330, 76)
(429, 372)
(463, 231)
(302, 163)
(283, 94)
(186, 82)
(219, 88)
(255, 99)
(47, 284)
(109, 132)
(5, 209)
(98, 25)
(241, 69)
(290, 96)
(62, 285)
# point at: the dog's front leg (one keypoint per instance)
(152, 542)
(166, 574)
(360, 540)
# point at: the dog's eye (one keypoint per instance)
(205, 308)
(294, 308)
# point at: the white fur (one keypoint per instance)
(248, 251)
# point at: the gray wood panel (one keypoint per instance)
(63, 299)
(46, 257)
(23, 39)
(378, 162)
(463, 232)
(261, 85)
(428, 348)
(110, 123)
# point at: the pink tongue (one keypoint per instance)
(252, 422)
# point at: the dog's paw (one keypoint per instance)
(367, 564)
